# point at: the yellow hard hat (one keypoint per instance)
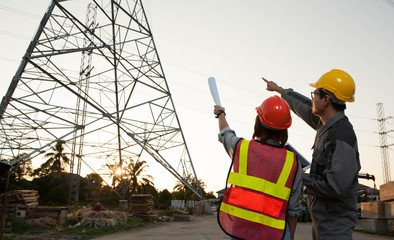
(339, 82)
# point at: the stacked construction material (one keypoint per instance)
(378, 216)
(103, 218)
(142, 206)
(57, 213)
(44, 222)
(20, 202)
(203, 207)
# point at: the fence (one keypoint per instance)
(183, 204)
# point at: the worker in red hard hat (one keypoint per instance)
(262, 196)
(332, 184)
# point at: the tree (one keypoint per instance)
(210, 195)
(18, 175)
(20, 171)
(131, 179)
(56, 162)
(52, 188)
(165, 197)
(95, 179)
(90, 186)
(139, 182)
(113, 173)
(187, 193)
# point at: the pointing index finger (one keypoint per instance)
(265, 80)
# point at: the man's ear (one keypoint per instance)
(327, 99)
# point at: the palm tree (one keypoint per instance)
(112, 171)
(57, 160)
(187, 193)
(180, 187)
(135, 174)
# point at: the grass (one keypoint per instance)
(168, 213)
(19, 227)
(91, 232)
(80, 232)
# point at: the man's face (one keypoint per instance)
(317, 103)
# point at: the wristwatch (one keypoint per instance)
(220, 112)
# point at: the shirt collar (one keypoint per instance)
(331, 122)
(270, 142)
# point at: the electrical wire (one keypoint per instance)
(9, 59)
(14, 35)
(27, 14)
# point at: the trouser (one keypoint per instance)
(332, 219)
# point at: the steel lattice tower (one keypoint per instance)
(80, 116)
(113, 104)
(383, 143)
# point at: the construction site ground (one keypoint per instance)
(206, 227)
(199, 227)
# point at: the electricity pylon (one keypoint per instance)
(383, 143)
(118, 106)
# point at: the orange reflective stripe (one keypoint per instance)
(255, 201)
(254, 206)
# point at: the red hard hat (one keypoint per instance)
(274, 113)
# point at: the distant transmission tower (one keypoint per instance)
(383, 143)
(81, 106)
(113, 104)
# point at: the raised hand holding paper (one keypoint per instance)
(214, 91)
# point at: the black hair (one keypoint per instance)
(261, 131)
(337, 106)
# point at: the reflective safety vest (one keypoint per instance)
(254, 205)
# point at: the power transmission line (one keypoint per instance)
(13, 35)
(27, 14)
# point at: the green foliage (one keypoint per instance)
(178, 195)
(53, 189)
(153, 191)
(132, 179)
(95, 179)
(138, 182)
(20, 227)
(107, 197)
(56, 162)
(81, 232)
(165, 197)
(18, 174)
(210, 195)
(91, 232)
(52, 183)
(188, 194)
(168, 213)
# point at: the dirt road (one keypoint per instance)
(205, 227)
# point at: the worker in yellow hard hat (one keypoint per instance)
(332, 184)
(262, 196)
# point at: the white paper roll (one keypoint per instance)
(214, 90)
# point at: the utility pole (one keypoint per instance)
(383, 142)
